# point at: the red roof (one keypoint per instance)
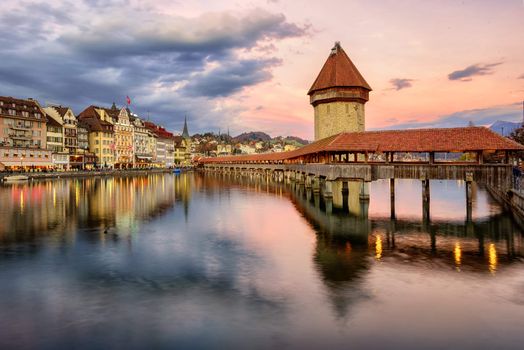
(338, 71)
(158, 130)
(413, 140)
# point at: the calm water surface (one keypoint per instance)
(209, 261)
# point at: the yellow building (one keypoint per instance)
(100, 134)
(182, 151)
(124, 148)
(338, 96)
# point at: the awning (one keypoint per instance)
(144, 157)
(26, 163)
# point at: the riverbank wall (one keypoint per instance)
(74, 174)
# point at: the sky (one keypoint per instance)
(247, 65)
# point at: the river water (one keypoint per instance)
(202, 261)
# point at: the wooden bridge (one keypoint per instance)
(328, 166)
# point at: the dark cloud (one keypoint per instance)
(401, 83)
(230, 77)
(77, 55)
(476, 69)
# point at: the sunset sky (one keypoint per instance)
(247, 65)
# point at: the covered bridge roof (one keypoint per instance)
(412, 140)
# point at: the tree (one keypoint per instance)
(518, 135)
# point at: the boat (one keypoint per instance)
(177, 171)
(13, 178)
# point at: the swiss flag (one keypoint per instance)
(128, 100)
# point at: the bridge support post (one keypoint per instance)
(338, 197)
(328, 189)
(425, 200)
(301, 179)
(469, 197)
(316, 184)
(308, 181)
(364, 190)
(392, 197)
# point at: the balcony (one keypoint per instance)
(20, 127)
(21, 137)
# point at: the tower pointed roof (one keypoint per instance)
(338, 71)
(185, 132)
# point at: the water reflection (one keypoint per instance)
(192, 261)
(43, 208)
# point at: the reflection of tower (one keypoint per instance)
(338, 96)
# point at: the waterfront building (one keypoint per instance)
(24, 158)
(22, 123)
(100, 135)
(55, 141)
(143, 138)
(70, 129)
(123, 133)
(82, 138)
(66, 117)
(338, 95)
(182, 154)
(54, 133)
(83, 158)
(165, 145)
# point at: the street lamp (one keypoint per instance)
(21, 166)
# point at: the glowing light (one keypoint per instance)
(54, 197)
(21, 201)
(77, 195)
(378, 248)
(492, 258)
(457, 252)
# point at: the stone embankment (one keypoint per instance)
(72, 174)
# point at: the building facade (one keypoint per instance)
(141, 142)
(100, 135)
(338, 96)
(22, 123)
(124, 145)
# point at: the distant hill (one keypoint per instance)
(296, 139)
(252, 136)
(262, 136)
(504, 128)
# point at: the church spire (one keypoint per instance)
(185, 133)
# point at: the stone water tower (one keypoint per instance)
(338, 96)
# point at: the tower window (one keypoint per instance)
(327, 109)
(347, 108)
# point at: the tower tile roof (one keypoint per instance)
(338, 71)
